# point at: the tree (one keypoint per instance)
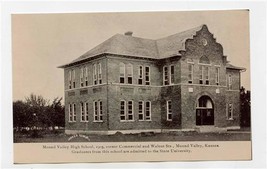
(245, 108)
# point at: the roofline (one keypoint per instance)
(237, 68)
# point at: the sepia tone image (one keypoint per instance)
(131, 77)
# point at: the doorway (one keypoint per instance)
(204, 111)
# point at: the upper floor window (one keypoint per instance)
(190, 73)
(230, 82)
(169, 110)
(229, 114)
(98, 111)
(122, 73)
(140, 75)
(168, 75)
(97, 73)
(201, 74)
(73, 78)
(70, 80)
(207, 75)
(147, 75)
(217, 75)
(81, 77)
(86, 76)
(130, 73)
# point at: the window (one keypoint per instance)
(230, 82)
(172, 75)
(130, 73)
(70, 113)
(98, 111)
(74, 113)
(81, 77)
(165, 75)
(86, 111)
(190, 73)
(86, 75)
(217, 75)
(126, 111)
(148, 111)
(230, 112)
(82, 112)
(122, 73)
(99, 73)
(207, 75)
(140, 75)
(95, 74)
(147, 75)
(169, 110)
(141, 110)
(73, 78)
(201, 72)
(70, 80)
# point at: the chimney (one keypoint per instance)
(128, 33)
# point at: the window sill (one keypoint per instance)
(84, 121)
(98, 121)
(231, 119)
(145, 120)
(126, 121)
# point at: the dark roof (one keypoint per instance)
(139, 47)
(230, 66)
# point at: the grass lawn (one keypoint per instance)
(60, 136)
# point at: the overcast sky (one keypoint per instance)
(42, 42)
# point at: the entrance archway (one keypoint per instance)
(204, 111)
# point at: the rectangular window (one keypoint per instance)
(86, 112)
(141, 110)
(201, 72)
(147, 75)
(190, 73)
(207, 75)
(122, 73)
(73, 78)
(169, 110)
(95, 74)
(230, 112)
(82, 112)
(123, 110)
(99, 73)
(74, 113)
(140, 75)
(165, 75)
(130, 111)
(148, 111)
(86, 76)
(70, 113)
(70, 80)
(172, 75)
(230, 82)
(130, 73)
(98, 111)
(81, 77)
(217, 75)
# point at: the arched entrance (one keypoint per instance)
(204, 111)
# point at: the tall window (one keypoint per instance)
(217, 75)
(201, 72)
(172, 75)
(127, 111)
(130, 73)
(190, 73)
(95, 74)
(86, 111)
(70, 80)
(169, 110)
(141, 110)
(86, 75)
(230, 82)
(98, 111)
(148, 110)
(70, 113)
(147, 75)
(99, 73)
(207, 75)
(140, 75)
(73, 78)
(82, 112)
(81, 77)
(230, 112)
(74, 113)
(165, 75)
(122, 73)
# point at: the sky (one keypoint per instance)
(42, 42)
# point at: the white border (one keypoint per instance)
(258, 68)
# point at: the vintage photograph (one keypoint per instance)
(131, 77)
